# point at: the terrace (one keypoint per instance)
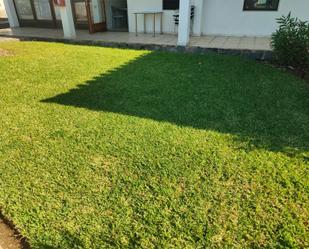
(231, 44)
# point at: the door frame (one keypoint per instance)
(92, 27)
(95, 27)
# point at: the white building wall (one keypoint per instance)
(168, 19)
(226, 17)
(150, 5)
(2, 10)
(221, 17)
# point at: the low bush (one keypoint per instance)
(290, 43)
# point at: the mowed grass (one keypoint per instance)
(111, 148)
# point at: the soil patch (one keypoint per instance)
(4, 53)
(9, 237)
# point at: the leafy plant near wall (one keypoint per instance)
(291, 43)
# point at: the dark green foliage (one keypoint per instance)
(291, 43)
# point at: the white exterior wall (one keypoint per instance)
(220, 17)
(226, 17)
(168, 19)
(150, 5)
(2, 10)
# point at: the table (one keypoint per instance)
(154, 13)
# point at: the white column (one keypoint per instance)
(67, 20)
(198, 17)
(11, 13)
(184, 23)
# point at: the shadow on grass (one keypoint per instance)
(252, 101)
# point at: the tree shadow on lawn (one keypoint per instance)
(226, 94)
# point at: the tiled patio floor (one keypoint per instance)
(220, 42)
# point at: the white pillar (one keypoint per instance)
(67, 20)
(184, 23)
(11, 13)
(198, 17)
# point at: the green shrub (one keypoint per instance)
(291, 43)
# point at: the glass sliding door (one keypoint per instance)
(24, 9)
(43, 9)
(80, 14)
(36, 13)
(89, 14)
(80, 11)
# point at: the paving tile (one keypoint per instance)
(209, 41)
(247, 43)
(203, 41)
(217, 42)
(262, 43)
(232, 42)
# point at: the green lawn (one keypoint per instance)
(111, 148)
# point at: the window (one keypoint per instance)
(42, 9)
(24, 9)
(261, 5)
(170, 4)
